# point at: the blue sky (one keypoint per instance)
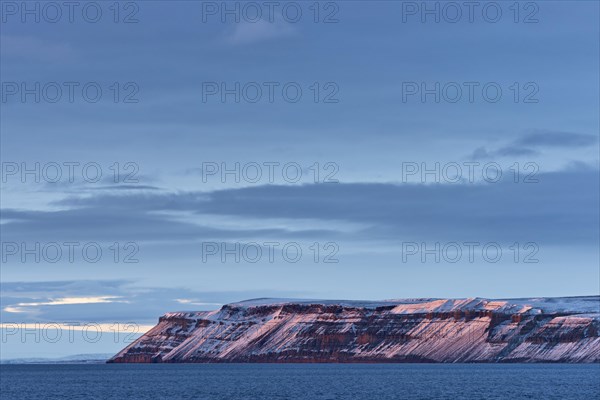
(168, 207)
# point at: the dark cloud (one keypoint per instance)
(126, 187)
(481, 153)
(131, 302)
(560, 208)
(64, 288)
(528, 145)
(515, 151)
(106, 182)
(557, 139)
(129, 218)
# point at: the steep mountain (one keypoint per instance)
(408, 330)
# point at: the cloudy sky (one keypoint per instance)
(163, 156)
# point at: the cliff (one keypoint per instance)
(408, 330)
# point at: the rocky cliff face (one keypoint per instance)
(409, 330)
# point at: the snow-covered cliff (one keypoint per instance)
(408, 330)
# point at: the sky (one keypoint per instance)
(167, 156)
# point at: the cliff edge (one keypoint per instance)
(407, 330)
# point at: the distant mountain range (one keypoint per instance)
(408, 330)
(74, 359)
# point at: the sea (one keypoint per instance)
(301, 381)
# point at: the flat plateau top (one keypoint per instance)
(580, 304)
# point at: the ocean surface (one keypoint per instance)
(301, 381)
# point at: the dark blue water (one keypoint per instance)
(298, 381)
